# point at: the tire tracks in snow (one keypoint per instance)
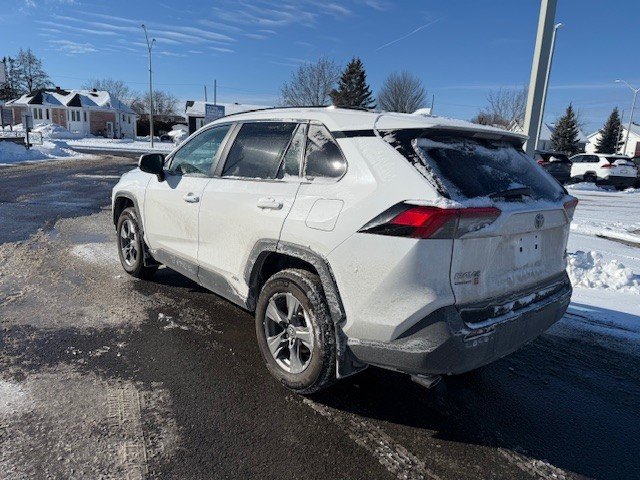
(394, 457)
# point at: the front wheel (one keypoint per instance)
(295, 331)
(131, 246)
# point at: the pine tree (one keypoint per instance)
(8, 90)
(565, 133)
(353, 90)
(610, 135)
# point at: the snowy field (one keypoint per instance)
(604, 263)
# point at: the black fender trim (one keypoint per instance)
(148, 260)
(346, 363)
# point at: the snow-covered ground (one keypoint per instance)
(604, 263)
(58, 142)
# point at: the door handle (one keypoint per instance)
(191, 198)
(269, 203)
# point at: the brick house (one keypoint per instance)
(84, 111)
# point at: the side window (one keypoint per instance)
(197, 155)
(257, 150)
(290, 166)
(578, 159)
(323, 157)
(592, 159)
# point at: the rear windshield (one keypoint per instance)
(462, 167)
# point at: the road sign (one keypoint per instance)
(212, 112)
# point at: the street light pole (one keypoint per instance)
(149, 47)
(546, 80)
(539, 67)
(633, 107)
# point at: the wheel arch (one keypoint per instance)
(270, 256)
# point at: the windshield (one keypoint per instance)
(466, 167)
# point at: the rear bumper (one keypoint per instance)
(618, 181)
(442, 343)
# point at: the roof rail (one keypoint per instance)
(362, 109)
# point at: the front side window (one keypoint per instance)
(323, 156)
(197, 155)
(258, 150)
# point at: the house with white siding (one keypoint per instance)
(83, 111)
(633, 144)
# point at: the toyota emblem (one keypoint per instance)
(539, 221)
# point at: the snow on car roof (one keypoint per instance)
(346, 119)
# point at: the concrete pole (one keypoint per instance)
(546, 80)
(539, 69)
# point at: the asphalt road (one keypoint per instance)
(104, 376)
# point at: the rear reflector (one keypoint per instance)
(404, 220)
(570, 207)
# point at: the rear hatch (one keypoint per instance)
(621, 167)
(520, 248)
(555, 163)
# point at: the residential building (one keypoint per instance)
(633, 145)
(83, 111)
(546, 130)
(195, 111)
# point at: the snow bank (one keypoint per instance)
(56, 132)
(12, 153)
(590, 270)
(584, 187)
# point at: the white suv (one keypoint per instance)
(608, 169)
(423, 245)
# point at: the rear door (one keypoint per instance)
(247, 201)
(525, 245)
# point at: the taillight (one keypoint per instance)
(606, 165)
(541, 162)
(570, 207)
(404, 220)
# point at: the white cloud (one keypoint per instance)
(73, 48)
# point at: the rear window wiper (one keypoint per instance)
(512, 193)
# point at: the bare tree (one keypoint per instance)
(164, 104)
(311, 84)
(117, 88)
(505, 106)
(402, 92)
(29, 74)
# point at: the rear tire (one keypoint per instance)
(591, 178)
(295, 331)
(131, 246)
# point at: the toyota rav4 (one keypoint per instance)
(419, 244)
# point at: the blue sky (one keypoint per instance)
(460, 49)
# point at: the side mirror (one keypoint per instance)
(152, 163)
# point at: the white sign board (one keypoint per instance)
(3, 74)
(212, 112)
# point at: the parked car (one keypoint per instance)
(556, 163)
(418, 244)
(636, 161)
(605, 169)
(165, 137)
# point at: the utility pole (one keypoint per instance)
(546, 80)
(633, 107)
(539, 69)
(149, 47)
(215, 92)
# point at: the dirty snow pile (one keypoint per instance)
(590, 270)
(56, 132)
(14, 153)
